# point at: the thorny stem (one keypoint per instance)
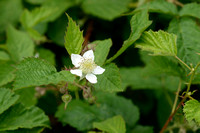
(183, 62)
(193, 70)
(172, 115)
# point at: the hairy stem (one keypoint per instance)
(193, 70)
(172, 115)
(176, 98)
(176, 2)
(183, 62)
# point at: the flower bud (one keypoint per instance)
(66, 99)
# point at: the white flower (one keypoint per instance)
(86, 66)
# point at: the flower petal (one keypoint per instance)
(89, 55)
(76, 59)
(77, 72)
(98, 70)
(91, 78)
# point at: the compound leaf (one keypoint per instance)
(7, 98)
(6, 72)
(19, 44)
(188, 41)
(115, 124)
(20, 117)
(36, 72)
(105, 9)
(31, 18)
(9, 16)
(81, 115)
(158, 6)
(192, 111)
(110, 80)
(192, 9)
(160, 43)
(139, 22)
(73, 38)
(102, 49)
(27, 96)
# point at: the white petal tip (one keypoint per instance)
(91, 78)
(98, 70)
(76, 59)
(77, 72)
(89, 54)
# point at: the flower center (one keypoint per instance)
(87, 66)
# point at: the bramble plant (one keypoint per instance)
(111, 77)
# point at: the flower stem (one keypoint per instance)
(76, 95)
(183, 62)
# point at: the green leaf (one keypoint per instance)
(160, 43)
(6, 72)
(102, 49)
(140, 78)
(9, 16)
(158, 6)
(162, 65)
(196, 79)
(4, 56)
(19, 117)
(27, 96)
(19, 44)
(112, 125)
(142, 129)
(60, 5)
(105, 9)
(188, 41)
(78, 114)
(192, 111)
(57, 31)
(191, 9)
(81, 116)
(36, 72)
(139, 22)
(35, 35)
(119, 106)
(73, 38)
(136, 78)
(25, 130)
(37, 15)
(36, 2)
(7, 98)
(110, 80)
(47, 55)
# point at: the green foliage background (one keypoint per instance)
(135, 94)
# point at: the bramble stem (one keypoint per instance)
(176, 2)
(193, 70)
(183, 62)
(176, 98)
(172, 115)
